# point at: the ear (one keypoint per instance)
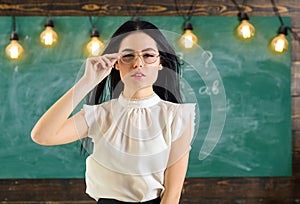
(160, 67)
(117, 66)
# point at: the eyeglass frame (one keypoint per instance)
(136, 54)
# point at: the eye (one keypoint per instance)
(131, 55)
(148, 55)
(128, 57)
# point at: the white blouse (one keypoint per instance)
(134, 142)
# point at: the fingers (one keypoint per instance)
(112, 56)
(106, 61)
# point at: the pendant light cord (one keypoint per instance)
(190, 11)
(92, 22)
(136, 13)
(239, 7)
(276, 11)
(13, 17)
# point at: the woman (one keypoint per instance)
(141, 133)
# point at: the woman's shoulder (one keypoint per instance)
(179, 111)
(178, 106)
(105, 105)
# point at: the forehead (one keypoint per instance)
(137, 41)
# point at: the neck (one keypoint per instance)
(138, 94)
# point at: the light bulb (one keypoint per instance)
(188, 39)
(14, 50)
(49, 37)
(245, 30)
(280, 44)
(95, 46)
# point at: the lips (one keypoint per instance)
(138, 74)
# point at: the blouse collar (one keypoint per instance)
(139, 103)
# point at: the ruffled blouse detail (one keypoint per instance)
(137, 139)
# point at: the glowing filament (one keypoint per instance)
(14, 50)
(95, 47)
(48, 36)
(245, 30)
(188, 39)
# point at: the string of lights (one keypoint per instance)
(245, 30)
(188, 40)
(279, 44)
(49, 37)
(95, 46)
(14, 49)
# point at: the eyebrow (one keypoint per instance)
(147, 49)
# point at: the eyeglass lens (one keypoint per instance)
(148, 58)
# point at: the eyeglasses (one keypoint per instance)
(147, 57)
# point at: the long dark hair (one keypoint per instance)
(167, 85)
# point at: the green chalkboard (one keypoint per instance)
(242, 90)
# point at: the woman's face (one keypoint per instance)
(140, 62)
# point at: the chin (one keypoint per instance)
(137, 86)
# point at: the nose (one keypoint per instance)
(138, 62)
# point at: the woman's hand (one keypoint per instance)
(97, 68)
(55, 127)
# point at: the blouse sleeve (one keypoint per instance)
(92, 118)
(182, 129)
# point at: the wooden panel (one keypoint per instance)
(296, 78)
(296, 156)
(145, 7)
(12, 190)
(296, 44)
(256, 190)
(295, 20)
(296, 113)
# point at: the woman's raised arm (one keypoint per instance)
(55, 127)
